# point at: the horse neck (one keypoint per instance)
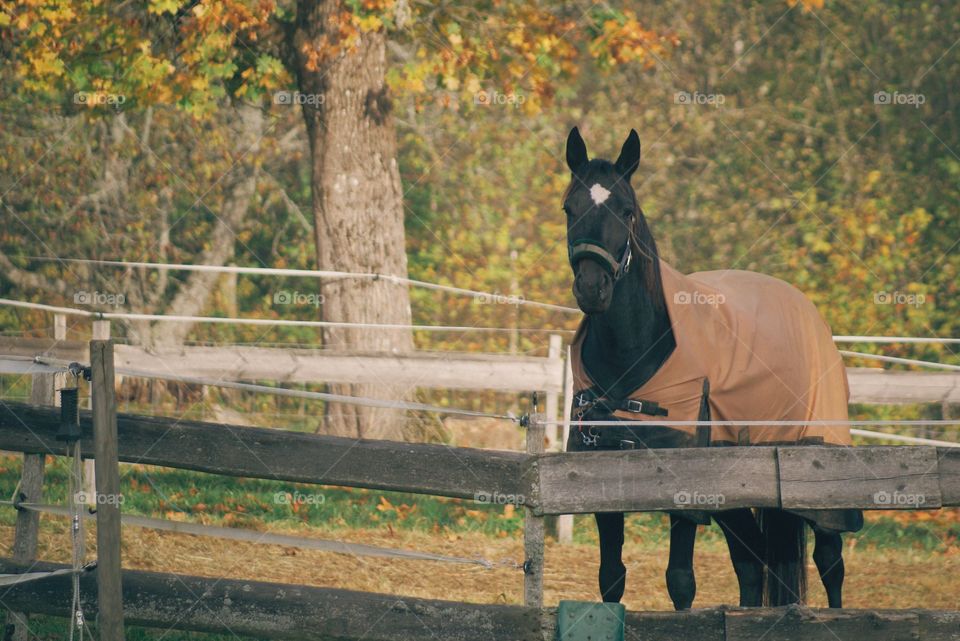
(634, 333)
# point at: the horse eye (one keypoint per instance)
(628, 213)
(567, 211)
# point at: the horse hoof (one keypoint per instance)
(613, 580)
(682, 588)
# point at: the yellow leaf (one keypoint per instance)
(163, 6)
(370, 23)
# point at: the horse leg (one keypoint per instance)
(745, 542)
(828, 555)
(681, 584)
(613, 573)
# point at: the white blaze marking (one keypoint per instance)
(599, 193)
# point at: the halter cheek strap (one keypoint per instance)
(588, 248)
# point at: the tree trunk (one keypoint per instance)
(357, 201)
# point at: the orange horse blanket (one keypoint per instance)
(762, 346)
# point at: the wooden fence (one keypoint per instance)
(497, 372)
(806, 477)
(544, 483)
(281, 611)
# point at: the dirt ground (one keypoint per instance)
(874, 579)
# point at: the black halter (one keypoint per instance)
(588, 248)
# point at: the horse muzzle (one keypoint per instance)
(596, 272)
(593, 288)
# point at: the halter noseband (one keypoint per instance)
(588, 248)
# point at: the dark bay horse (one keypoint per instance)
(633, 305)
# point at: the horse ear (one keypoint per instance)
(576, 151)
(629, 158)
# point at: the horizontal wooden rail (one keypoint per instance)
(281, 611)
(804, 477)
(280, 455)
(886, 387)
(275, 610)
(807, 477)
(499, 372)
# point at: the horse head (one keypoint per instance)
(602, 220)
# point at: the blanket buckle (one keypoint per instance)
(591, 437)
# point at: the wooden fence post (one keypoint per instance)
(567, 397)
(565, 521)
(109, 593)
(553, 444)
(60, 327)
(101, 332)
(27, 529)
(553, 397)
(43, 391)
(533, 525)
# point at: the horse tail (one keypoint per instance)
(785, 544)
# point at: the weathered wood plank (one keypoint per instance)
(949, 468)
(644, 480)
(578, 482)
(28, 522)
(692, 625)
(418, 369)
(279, 611)
(27, 528)
(459, 371)
(793, 623)
(872, 477)
(886, 387)
(283, 611)
(534, 527)
(50, 347)
(939, 626)
(448, 371)
(109, 589)
(280, 455)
